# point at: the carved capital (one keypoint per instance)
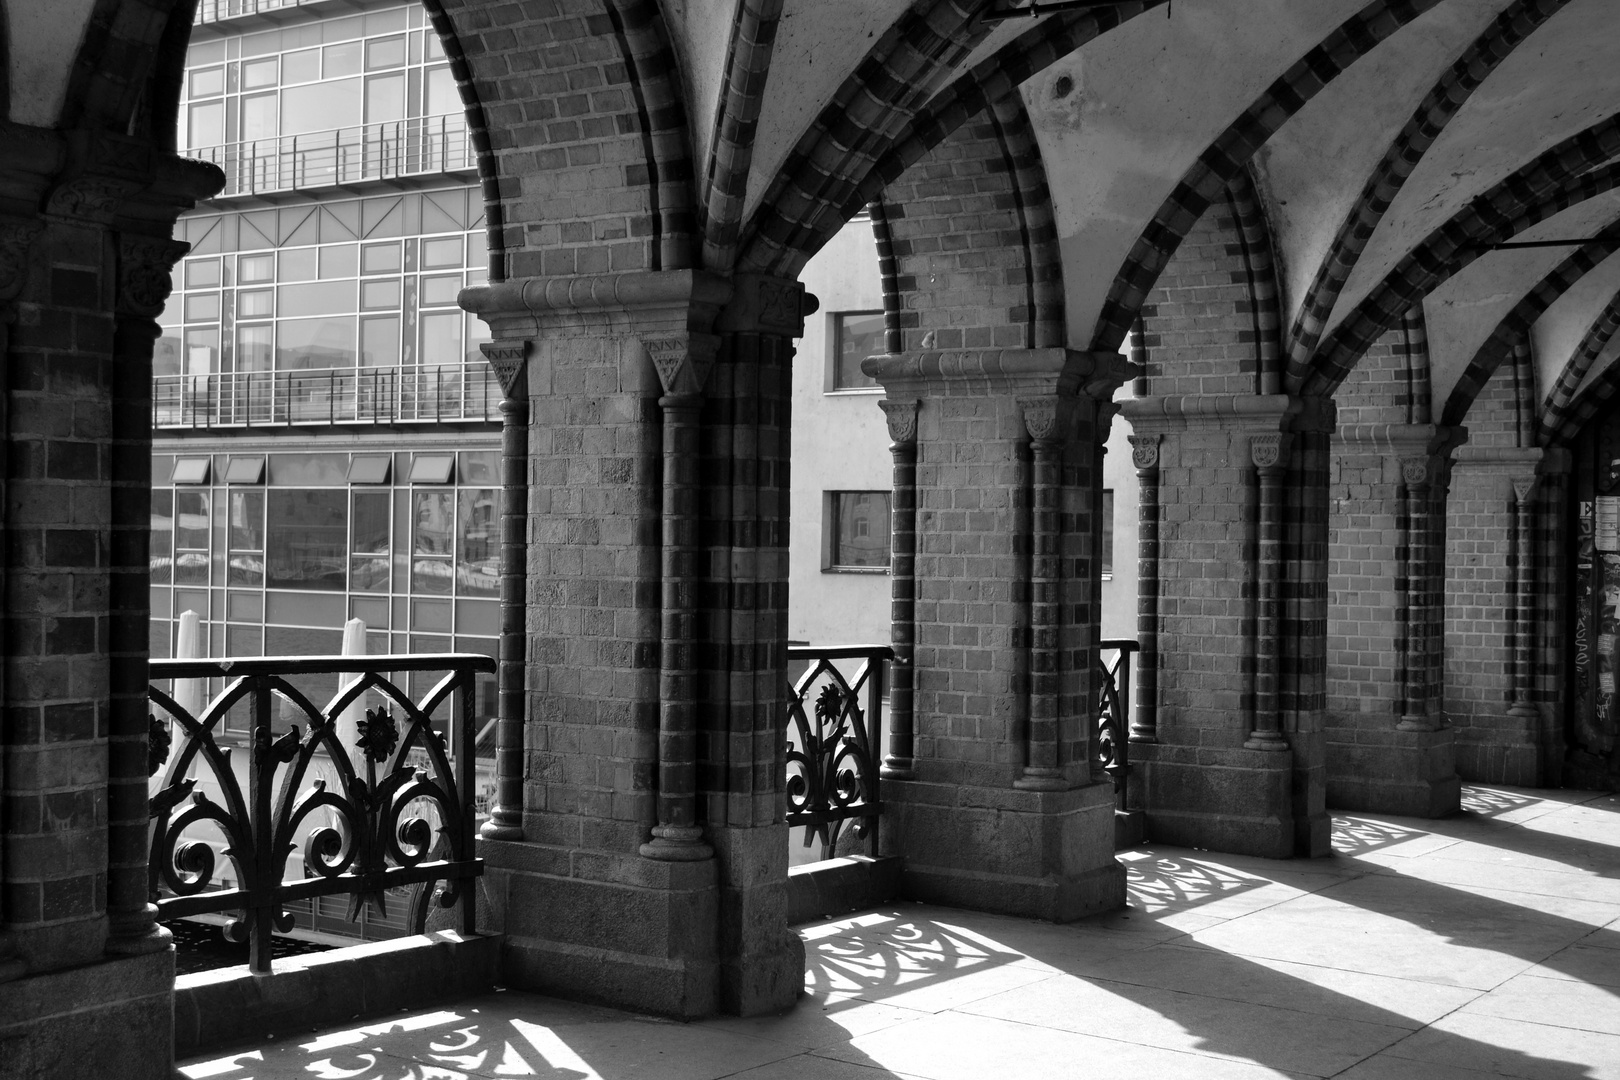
(1524, 488)
(144, 278)
(1267, 449)
(1415, 472)
(1145, 451)
(902, 418)
(90, 198)
(509, 359)
(1042, 419)
(16, 239)
(682, 360)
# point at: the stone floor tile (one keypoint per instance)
(1506, 1047)
(1501, 876)
(1386, 1066)
(1556, 1003)
(810, 1067)
(956, 1046)
(1326, 991)
(1205, 1023)
(1584, 961)
(816, 1022)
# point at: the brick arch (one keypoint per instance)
(1206, 181)
(725, 186)
(974, 244)
(1515, 326)
(874, 129)
(889, 276)
(1391, 383)
(1438, 107)
(114, 63)
(1210, 323)
(1553, 182)
(1583, 408)
(1559, 407)
(585, 157)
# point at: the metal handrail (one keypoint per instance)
(395, 807)
(834, 744)
(421, 145)
(440, 393)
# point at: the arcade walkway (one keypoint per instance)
(1486, 944)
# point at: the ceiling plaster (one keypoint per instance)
(38, 36)
(1561, 80)
(1563, 326)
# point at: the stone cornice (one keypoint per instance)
(689, 299)
(1252, 413)
(1400, 440)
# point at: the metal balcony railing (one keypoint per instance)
(835, 725)
(368, 803)
(442, 393)
(1112, 736)
(424, 145)
(209, 11)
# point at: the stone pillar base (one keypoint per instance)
(1232, 800)
(1374, 766)
(597, 926)
(114, 1018)
(1034, 854)
(762, 961)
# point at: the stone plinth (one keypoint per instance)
(1234, 800)
(113, 1018)
(1376, 767)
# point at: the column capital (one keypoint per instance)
(1045, 420)
(902, 419)
(144, 281)
(1145, 452)
(767, 305)
(509, 359)
(1269, 450)
(17, 236)
(682, 360)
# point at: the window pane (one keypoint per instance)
(191, 537)
(379, 341)
(207, 124)
(442, 97)
(246, 563)
(259, 114)
(161, 551)
(434, 516)
(860, 532)
(380, 295)
(385, 98)
(202, 273)
(319, 298)
(306, 539)
(202, 351)
(440, 291)
(258, 303)
(380, 259)
(253, 348)
(341, 59)
(301, 66)
(441, 253)
(202, 307)
(1107, 532)
(299, 264)
(478, 571)
(315, 343)
(385, 52)
(859, 335)
(441, 339)
(339, 261)
(255, 268)
(369, 566)
(320, 106)
(166, 355)
(258, 73)
(208, 82)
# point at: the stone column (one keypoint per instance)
(902, 418)
(1001, 810)
(1235, 761)
(1524, 577)
(1145, 456)
(1388, 749)
(509, 360)
(653, 863)
(1550, 525)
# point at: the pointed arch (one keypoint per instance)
(1259, 259)
(731, 150)
(1562, 396)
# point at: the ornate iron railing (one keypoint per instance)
(440, 393)
(420, 146)
(834, 743)
(395, 807)
(1113, 732)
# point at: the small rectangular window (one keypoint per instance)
(258, 73)
(441, 253)
(857, 531)
(244, 470)
(1108, 532)
(369, 468)
(432, 468)
(190, 470)
(855, 336)
(202, 273)
(208, 82)
(255, 268)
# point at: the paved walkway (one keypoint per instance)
(1484, 945)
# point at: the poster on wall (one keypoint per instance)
(1608, 523)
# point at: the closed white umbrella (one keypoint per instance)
(348, 724)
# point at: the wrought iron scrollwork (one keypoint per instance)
(833, 748)
(1111, 736)
(408, 819)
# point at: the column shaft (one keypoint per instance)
(506, 815)
(902, 417)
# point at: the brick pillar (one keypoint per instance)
(1145, 456)
(1388, 748)
(1004, 809)
(1550, 532)
(1236, 760)
(86, 976)
(902, 421)
(652, 870)
(1497, 742)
